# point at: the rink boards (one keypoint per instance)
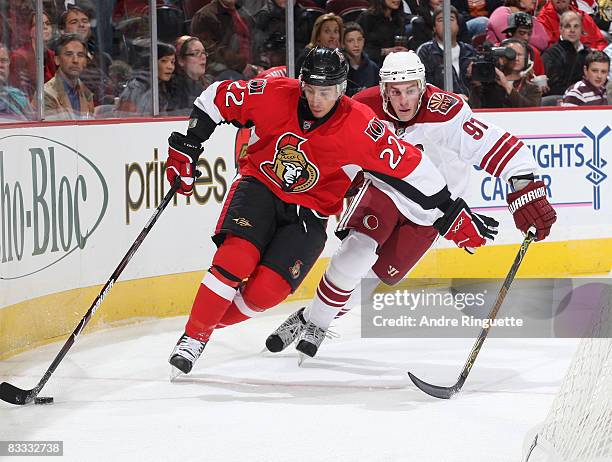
(73, 197)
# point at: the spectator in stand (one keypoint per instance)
(421, 26)
(273, 57)
(77, 20)
(327, 32)
(120, 73)
(591, 90)
(498, 22)
(23, 60)
(66, 97)
(269, 20)
(274, 52)
(432, 55)
(564, 61)
(475, 13)
(513, 86)
(14, 104)
(520, 27)
(363, 72)
(603, 18)
(17, 23)
(552, 11)
(225, 30)
(384, 28)
(189, 80)
(137, 97)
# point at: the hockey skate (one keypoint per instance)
(310, 339)
(186, 353)
(286, 333)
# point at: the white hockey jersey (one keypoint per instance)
(455, 139)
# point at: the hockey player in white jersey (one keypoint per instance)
(384, 230)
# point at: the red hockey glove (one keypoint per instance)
(464, 227)
(530, 207)
(182, 157)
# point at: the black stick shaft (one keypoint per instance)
(447, 392)
(24, 396)
(495, 309)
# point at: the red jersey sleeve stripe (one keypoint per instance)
(502, 164)
(493, 150)
(500, 155)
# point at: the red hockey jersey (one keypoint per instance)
(313, 168)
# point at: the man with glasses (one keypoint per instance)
(66, 97)
(14, 104)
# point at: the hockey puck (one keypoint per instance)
(43, 400)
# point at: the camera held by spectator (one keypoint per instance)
(512, 85)
(483, 67)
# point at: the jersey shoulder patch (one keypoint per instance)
(257, 86)
(442, 103)
(439, 106)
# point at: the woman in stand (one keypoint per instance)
(189, 79)
(23, 59)
(136, 99)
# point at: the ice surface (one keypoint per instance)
(354, 402)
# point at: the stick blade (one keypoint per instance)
(12, 394)
(434, 390)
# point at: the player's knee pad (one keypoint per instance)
(235, 259)
(352, 260)
(265, 289)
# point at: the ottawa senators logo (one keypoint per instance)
(291, 170)
(375, 129)
(256, 87)
(441, 102)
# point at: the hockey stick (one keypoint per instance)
(448, 392)
(14, 395)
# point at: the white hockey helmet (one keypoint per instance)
(402, 66)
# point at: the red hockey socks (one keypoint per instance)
(233, 262)
(264, 289)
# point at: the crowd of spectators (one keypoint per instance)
(97, 53)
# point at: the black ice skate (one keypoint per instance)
(286, 333)
(310, 339)
(186, 353)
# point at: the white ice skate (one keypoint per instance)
(310, 339)
(286, 333)
(185, 354)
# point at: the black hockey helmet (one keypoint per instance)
(324, 67)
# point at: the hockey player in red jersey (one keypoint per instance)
(307, 143)
(385, 231)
